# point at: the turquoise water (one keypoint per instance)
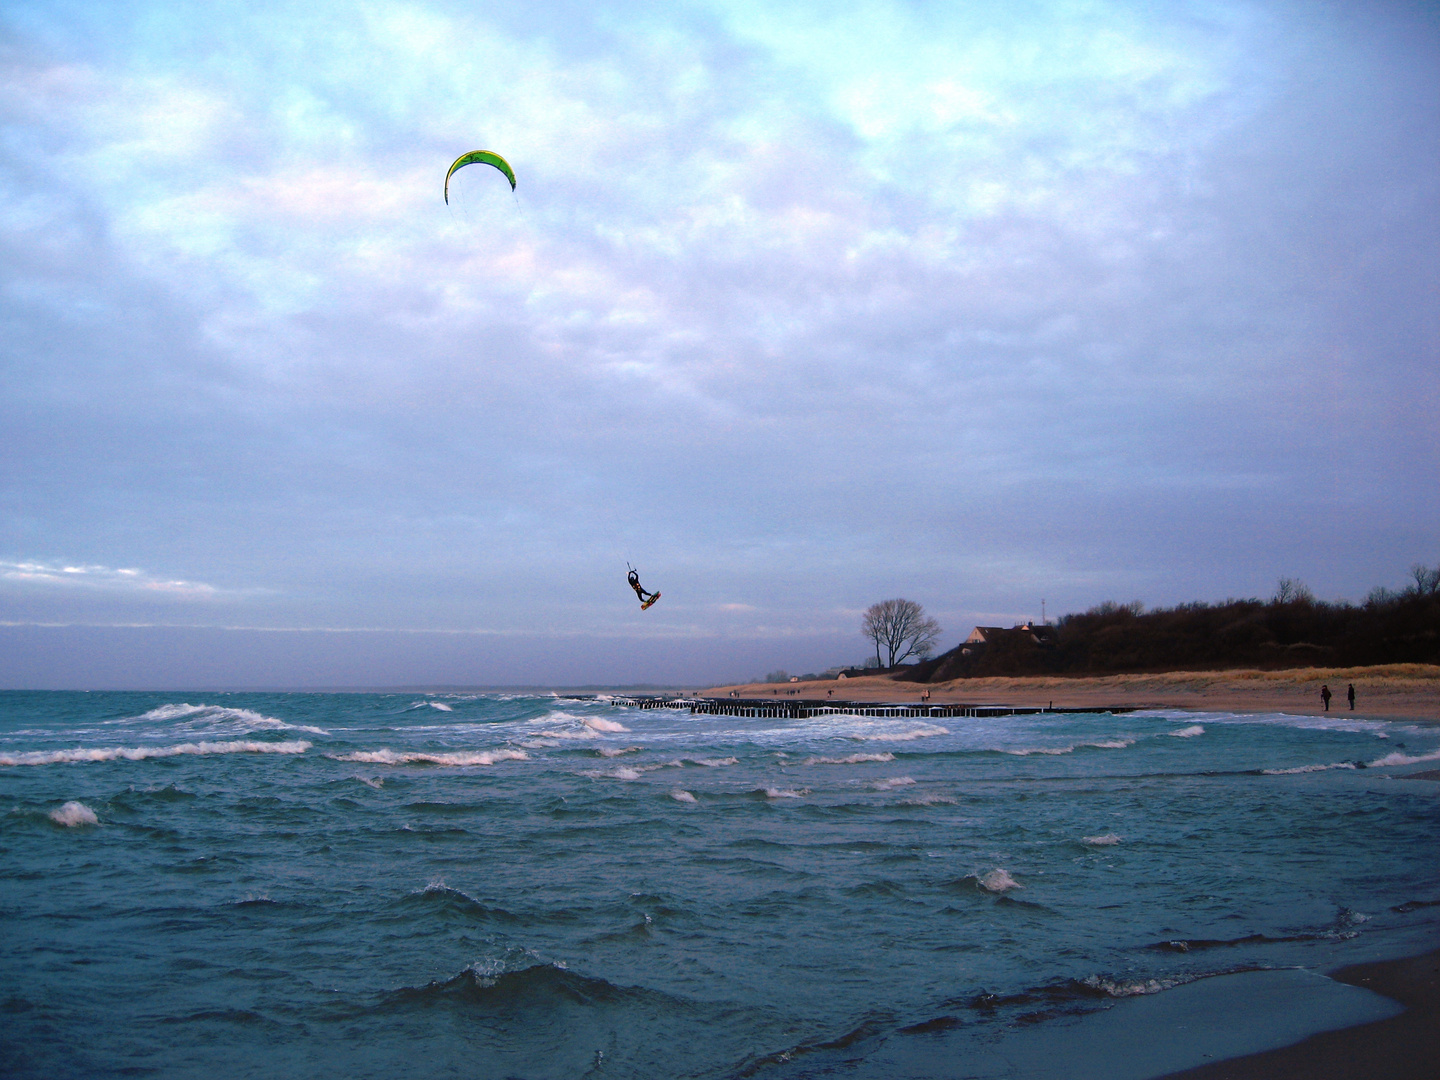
(395, 885)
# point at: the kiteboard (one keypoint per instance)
(647, 603)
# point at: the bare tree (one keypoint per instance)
(1293, 591)
(902, 628)
(1427, 581)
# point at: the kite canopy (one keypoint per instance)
(479, 157)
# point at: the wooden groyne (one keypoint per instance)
(802, 708)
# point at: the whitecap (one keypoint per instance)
(929, 800)
(459, 757)
(786, 793)
(849, 759)
(925, 731)
(597, 723)
(1188, 732)
(680, 795)
(616, 751)
(1103, 840)
(141, 753)
(1398, 758)
(622, 773)
(1308, 768)
(219, 715)
(441, 706)
(73, 814)
(891, 783)
(713, 762)
(998, 880)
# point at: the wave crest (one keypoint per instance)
(458, 757)
(142, 753)
(73, 814)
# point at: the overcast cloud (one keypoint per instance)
(975, 304)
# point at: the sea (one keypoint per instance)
(530, 886)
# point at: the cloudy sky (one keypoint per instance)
(797, 307)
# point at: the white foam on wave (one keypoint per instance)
(616, 751)
(1308, 768)
(681, 795)
(622, 773)
(74, 814)
(929, 800)
(1398, 758)
(1103, 840)
(713, 762)
(925, 731)
(1111, 988)
(457, 757)
(849, 759)
(244, 719)
(141, 753)
(999, 880)
(441, 706)
(786, 793)
(891, 783)
(597, 723)
(1188, 732)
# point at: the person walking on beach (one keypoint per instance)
(1325, 696)
(1350, 693)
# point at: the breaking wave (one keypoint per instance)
(73, 814)
(1398, 758)
(925, 731)
(849, 759)
(141, 753)
(1104, 840)
(680, 795)
(596, 723)
(1188, 732)
(998, 881)
(241, 720)
(457, 757)
(891, 783)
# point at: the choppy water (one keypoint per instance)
(391, 885)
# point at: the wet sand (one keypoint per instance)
(1404, 1047)
(1408, 691)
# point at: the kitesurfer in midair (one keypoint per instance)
(646, 598)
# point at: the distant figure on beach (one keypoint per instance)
(1325, 696)
(1350, 693)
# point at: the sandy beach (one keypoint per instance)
(1403, 1047)
(1390, 691)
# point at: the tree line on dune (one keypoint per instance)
(1292, 629)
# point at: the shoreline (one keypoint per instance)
(1402, 1047)
(1385, 692)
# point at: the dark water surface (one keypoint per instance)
(381, 885)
